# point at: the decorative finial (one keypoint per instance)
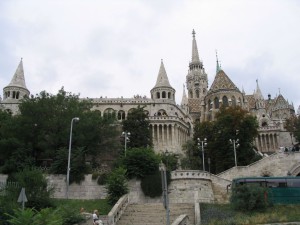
(193, 33)
(279, 90)
(218, 65)
(21, 59)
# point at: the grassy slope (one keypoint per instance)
(212, 214)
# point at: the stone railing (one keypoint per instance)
(190, 174)
(181, 220)
(118, 209)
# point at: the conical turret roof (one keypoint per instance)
(18, 79)
(162, 78)
(222, 82)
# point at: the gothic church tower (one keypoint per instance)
(197, 84)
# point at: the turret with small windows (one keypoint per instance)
(15, 91)
(163, 91)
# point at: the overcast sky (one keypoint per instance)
(113, 48)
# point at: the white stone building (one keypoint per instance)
(172, 124)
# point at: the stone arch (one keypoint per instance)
(121, 115)
(109, 112)
(210, 104)
(225, 101)
(216, 103)
(197, 94)
(162, 112)
(158, 95)
(163, 95)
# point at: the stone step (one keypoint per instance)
(154, 213)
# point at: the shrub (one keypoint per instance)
(116, 185)
(151, 185)
(36, 187)
(102, 179)
(140, 162)
(249, 197)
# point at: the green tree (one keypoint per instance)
(292, 125)
(137, 124)
(42, 130)
(231, 123)
(116, 185)
(36, 186)
(140, 162)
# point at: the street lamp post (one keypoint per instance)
(235, 145)
(126, 136)
(163, 169)
(69, 156)
(202, 144)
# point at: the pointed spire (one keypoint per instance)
(162, 78)
(184, 100)
(218, 67)
(18, 79)
(258, 94)
(195, 54)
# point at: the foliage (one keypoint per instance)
(191, 161)
(116, 185)
(140, 162)
(231, 123)
(102, 179)
(37, 190)
(30, 216)
(78, 167)
(249, 198)
(151, 184)
(43, 128)
(170, 160)
(70, 215)
(292, 125)
(216, 214)
(137, 124)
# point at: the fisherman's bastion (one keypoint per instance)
(172, 124)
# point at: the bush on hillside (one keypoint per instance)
(249, 197)
(116, 185)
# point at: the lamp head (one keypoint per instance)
(76, 118)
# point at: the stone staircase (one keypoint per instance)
(155, 214)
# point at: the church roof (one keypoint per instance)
(18, 79)
(162, 78)
(222, 82)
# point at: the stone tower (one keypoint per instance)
(15, 91)
(197, 84)
(163, 91)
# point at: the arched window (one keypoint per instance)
(191, 94)
(17, 95)
(197, 94)
(216, 103)
(121, 115)
(209, 104)
(169, 95)
(163, 94)
(109, 113)
(157, 95)
(162, 112)
(225, 101)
